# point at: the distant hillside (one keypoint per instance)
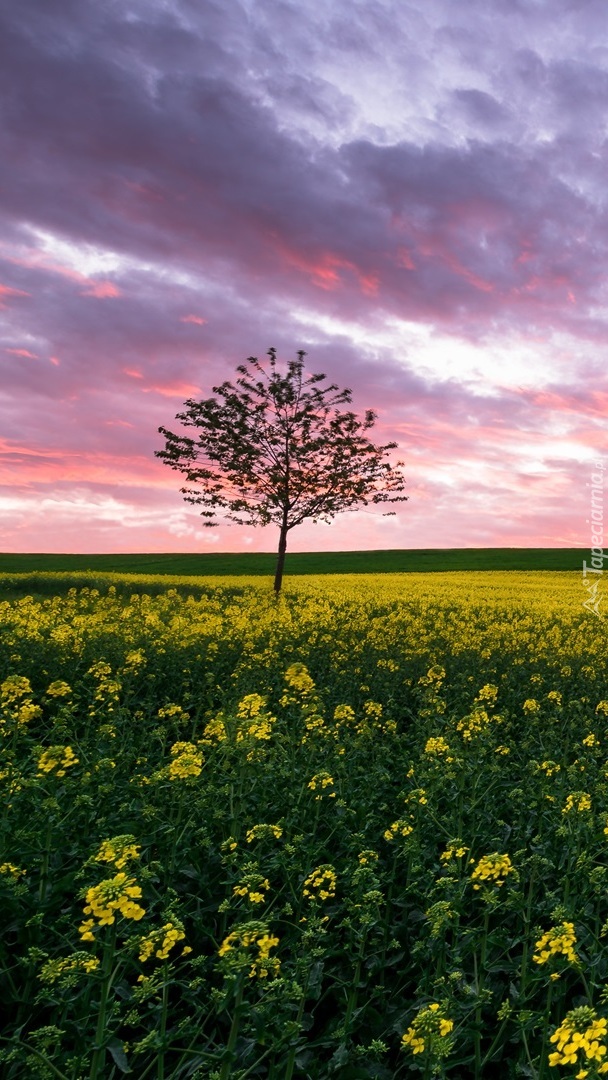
(309, 562)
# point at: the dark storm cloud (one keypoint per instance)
(175, 164)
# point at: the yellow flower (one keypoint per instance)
(476, 723)
(321, 884)
(264, 832)
(531, 706)
(578, 801)
(253, 888)
(489, 693)
(118, 850)
(12, 871)
(429, 1033)
(492, 869)
(297, 678)
(248, 948)
(59, 688)
(436, 747)
(550, 768)
(14, 688)
(68, 967)
(435, 674)
(160, 942)
(580, 1039)
(455, 850)
(321, 782)
(117, 894)
(398, 828)
(559, 941)
(56, 759)
(187, 761)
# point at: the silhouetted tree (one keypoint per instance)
(276, 448)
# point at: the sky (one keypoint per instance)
(412, 191)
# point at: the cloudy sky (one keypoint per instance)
(413, 191)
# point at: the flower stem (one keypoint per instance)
(99, 1051)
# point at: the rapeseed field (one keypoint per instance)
(359, 832)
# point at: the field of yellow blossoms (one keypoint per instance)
(361, 832)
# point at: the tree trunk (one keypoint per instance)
(278, 577)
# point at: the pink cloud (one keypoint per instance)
(193, 319)
(176, 390)
(6, 291)
(22, 352)
(103, 290)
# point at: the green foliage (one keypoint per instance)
(352, 834)
(252, 564)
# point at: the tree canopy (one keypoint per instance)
(275, 447)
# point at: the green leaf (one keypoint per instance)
(120, 1058)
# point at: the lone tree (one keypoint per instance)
(276, 448)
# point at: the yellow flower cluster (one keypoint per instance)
(264, 832)
(455, 850)
(531, 707)
(298, 678)
(488, 693)
(59, 688)
(491, 869)
(16, 703)
(56, 759)
(591, 740)
(429, 1033)
(12, 871)
(173, 712)
(215, 730)
(344, 714)
(187, 761)
(559, 941)
(248, 946)
(118, 850)
(321, 884)
(320, 782)
(550, 768)
(135, 659)
(580, 1041)
(108, 687)
(418, 795)
(253, 888)
(68, 966)
(302, 691)
(366, 857)
(436, 747)
(435, 675)
(578, 801)
(474, 724)
(254, 721)
(117, 894)
(14, 688)
(399, 828)
(160, 942)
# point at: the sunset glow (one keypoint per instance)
(412, 191)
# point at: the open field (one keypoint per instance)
(360, 832)
(312, 562)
